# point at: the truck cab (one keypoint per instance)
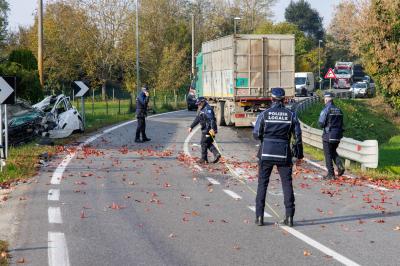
(344, 75)
(305, 83)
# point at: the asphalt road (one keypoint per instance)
(116, 202)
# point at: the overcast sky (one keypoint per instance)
(21, 11)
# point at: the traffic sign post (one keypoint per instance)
(83, 90)
(5, 92)
(330, 75)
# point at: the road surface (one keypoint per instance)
(114, 202)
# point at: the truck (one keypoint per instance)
(236, 74)
(344, 75)
(305, 83)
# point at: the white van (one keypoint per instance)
(305, 83)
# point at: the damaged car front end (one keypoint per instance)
(61, 119)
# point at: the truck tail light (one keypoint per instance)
(240, 115)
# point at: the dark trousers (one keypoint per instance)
(141, 128)
(331, 156)
(285, 172)
(207, 144)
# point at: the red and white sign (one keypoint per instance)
(330, 74)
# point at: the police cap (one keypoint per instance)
(200, 100)
(329, 94)
(278, 93)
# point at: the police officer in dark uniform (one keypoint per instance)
(331, 120)
(275, 127)
(206, 118)
(142, 102)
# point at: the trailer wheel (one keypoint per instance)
(219, 113)
(228, 115)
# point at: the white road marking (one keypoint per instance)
(58, 173)
(213, 181)
(53, 195)
(54, 215)
(348, 176)
(186, 147)
(232, 194)
(57, 249)
(319, 246)
(266, 214)
(377, 187)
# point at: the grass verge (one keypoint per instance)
(366, 119)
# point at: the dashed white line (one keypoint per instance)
(320, 247)
(232, 194)
(54, 215)
(57, 249)
(53, 195)
(266, 214)
(213, 181)
(377, 187)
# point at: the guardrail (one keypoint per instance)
(364, 152)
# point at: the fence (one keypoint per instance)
(117, 106)
(364, 152)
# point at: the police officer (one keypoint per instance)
(142, 102)
(331, 120)
(206, 118)
(275, 127)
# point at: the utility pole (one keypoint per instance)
(137, 49)
(319, 64)
(193, 40)
(40, 41)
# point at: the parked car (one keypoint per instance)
(371, 83)
(61, 118)
(191, 100)
(305, 83)
(361, 89)
(24, 122)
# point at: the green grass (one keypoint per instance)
(363, 122)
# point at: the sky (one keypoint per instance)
(21, 11)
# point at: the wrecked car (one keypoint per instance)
(24, 122)
(61, 119)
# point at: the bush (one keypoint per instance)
(28, 84)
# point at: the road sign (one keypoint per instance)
(330, 74)
(5, 90)
(83, 87)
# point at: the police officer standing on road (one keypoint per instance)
(275, 127)
(206, 118)
(142, 102)
(331, 120)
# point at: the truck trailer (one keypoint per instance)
(236, 74)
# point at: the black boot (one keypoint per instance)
(138, 141)
(217, 157)
(288, 221)
(341, 171)
(202, 161)
(146, 139)
(259, 221)
(329, 177)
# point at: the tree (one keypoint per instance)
(111, 19)
(4, 8)
(253, 13)
(25, 58)
(341, 31)
(173, 66)
(303, 43)
(307, 19)
(377, 42)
